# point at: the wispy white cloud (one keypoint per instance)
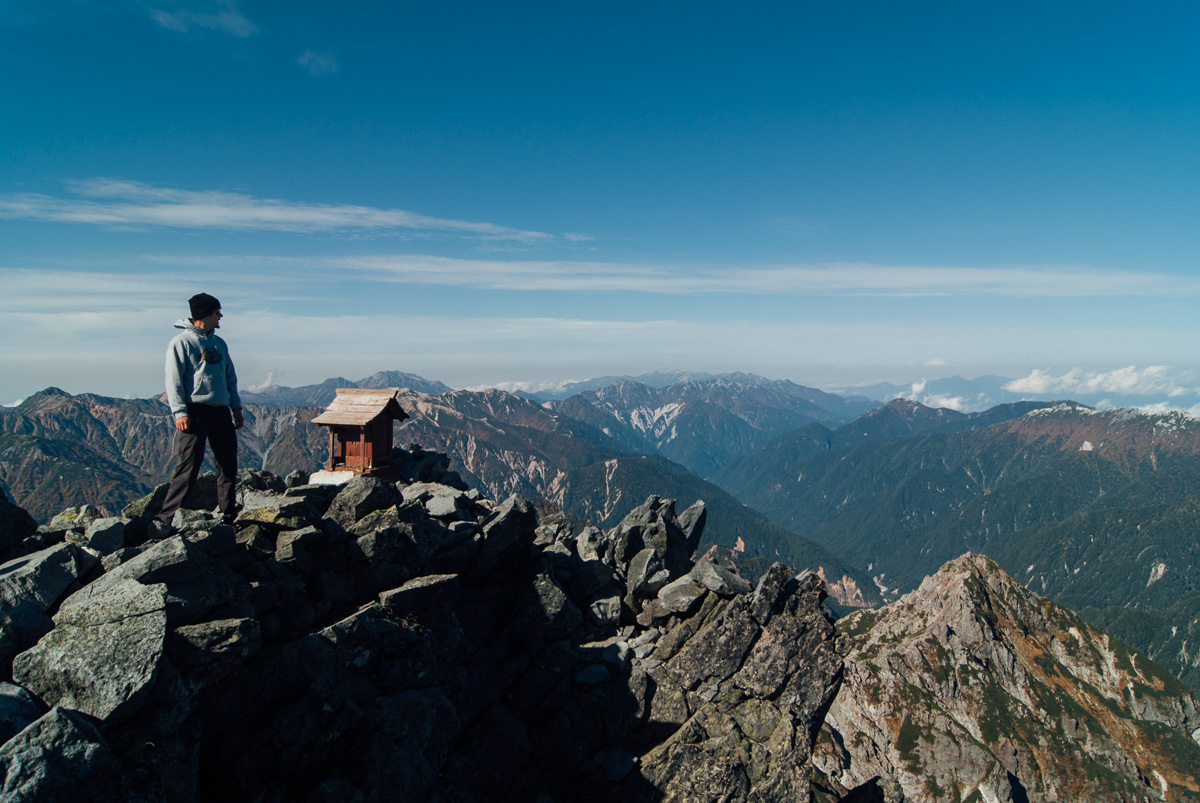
(118, 203)
(222, 16)
(1154, 380)
(318, 63)
(844, 279)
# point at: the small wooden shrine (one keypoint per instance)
(360, 429)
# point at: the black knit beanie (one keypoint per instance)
(203, 305)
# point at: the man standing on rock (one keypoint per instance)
(202, 392)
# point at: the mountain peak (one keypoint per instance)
(984, 685)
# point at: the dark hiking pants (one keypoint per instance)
(214, 426)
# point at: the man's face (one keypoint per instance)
(210, 322)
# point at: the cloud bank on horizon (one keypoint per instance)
(365, 191)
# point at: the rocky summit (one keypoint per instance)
(973, 688)
(405, 640)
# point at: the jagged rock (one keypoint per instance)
(296, 478)
(441, 501)
(591, 544)
(196, 587)
(20, 629)
(360, 496)
(752, 692)
(103, 657)
(506, 535)
(298, 546)
(691, 524)
(681, 596)
(248, 481)
(553, 613)
(43, 576)
(718, 579)
(419, 593)
(106, 535)
(276, 511)
(18, 710)
(210, 650)
(76, 517)
(60, 757)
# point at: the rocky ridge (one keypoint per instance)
(408, 640)
(972, 687)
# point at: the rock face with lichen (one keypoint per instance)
(972, 687)
(412, 641)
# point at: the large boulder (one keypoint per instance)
(18, 710)
(42, 577)
(105, 653)
(360, 496)
(197, 588)
(60, 757)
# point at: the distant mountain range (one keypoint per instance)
(985, 392)
(704, 424)
(1096, 509)
(322, 394)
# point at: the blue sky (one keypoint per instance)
(833, 193)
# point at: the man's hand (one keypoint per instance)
(238, 421)
(181, 423)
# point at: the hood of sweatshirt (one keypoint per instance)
(186, 325)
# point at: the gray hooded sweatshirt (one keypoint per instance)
(199, 371)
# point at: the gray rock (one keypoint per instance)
(76, 517)
(591, 544)
(418, 593)
(185, 517)
(277, 511)
(682, 595)
(424, 491)
(106, 535)
(60, 757)
(718, 579)
(298, 544)
(691, 524)
(21, 628)
(552, 610)
(211, 650)
(168, 561)
(442, 506)
(18, 710)
(103, 657)
(507, 535)
(605, 611)
(43, 576)
(647, 575)
(360, 496)
(192, 589)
